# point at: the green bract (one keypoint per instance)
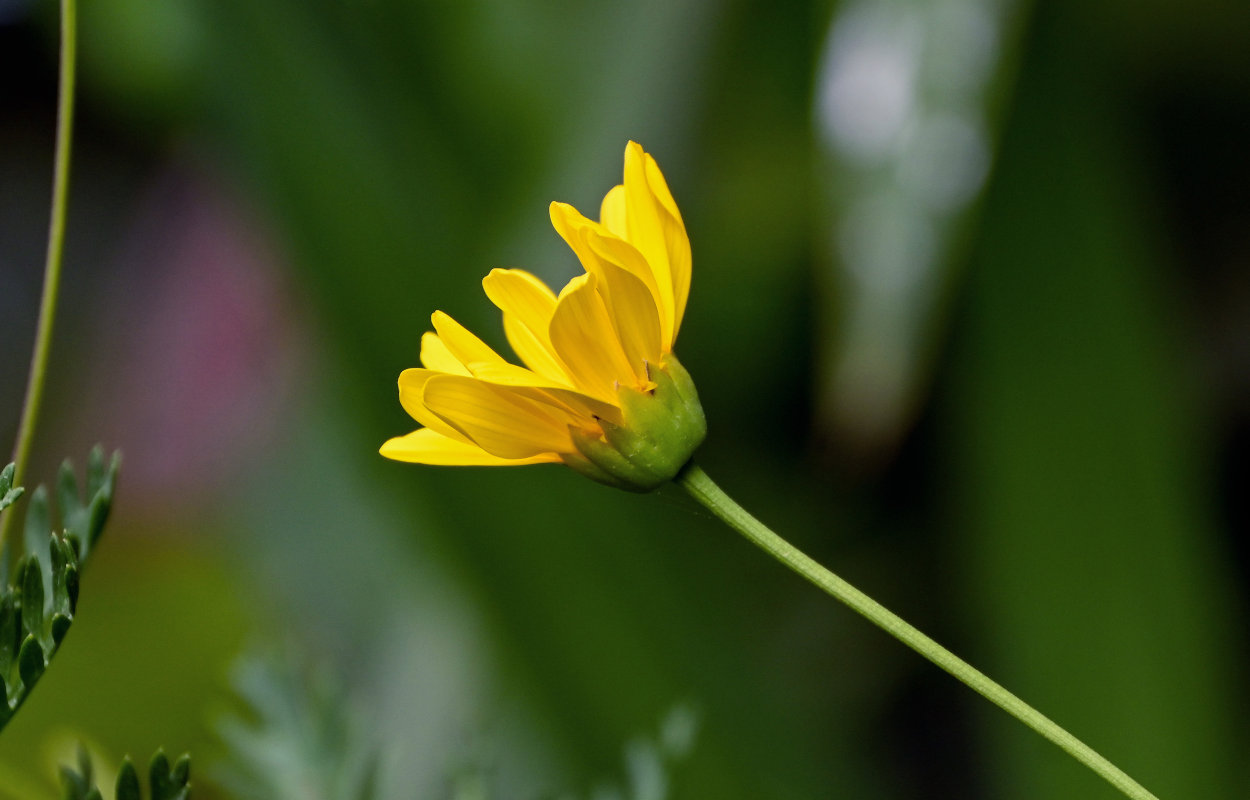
(661, 429)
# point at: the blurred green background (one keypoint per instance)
(970, 321)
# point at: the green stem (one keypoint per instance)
(56, 246)
(695, 481)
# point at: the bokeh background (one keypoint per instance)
(970, 322)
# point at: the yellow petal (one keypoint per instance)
(499, 420)
(411, 390)
(566, 400)
(527, 305)
(569, 223)
(522, 294)
(435, 355)
(425, 446)
(612, 212)
(676, 241)
(575, 229)
(533, 352)
(619, 253)
(646, 232)
(659, 187)
(595, 244)
(462, 344)
(631, 307)
(583, 336)
(624, 280)
(633, 298)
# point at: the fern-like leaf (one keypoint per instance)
(39, 598)
(298, 738)
(8, 492)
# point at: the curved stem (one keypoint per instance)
(56, 246)
(695, 481)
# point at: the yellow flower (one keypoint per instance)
(601, 390)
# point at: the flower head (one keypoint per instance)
(601, 390)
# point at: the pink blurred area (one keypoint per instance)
(193, 348)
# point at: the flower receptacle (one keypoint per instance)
(659, 432)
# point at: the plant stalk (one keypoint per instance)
(695, 481)
(52, 267)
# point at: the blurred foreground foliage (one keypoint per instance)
(297, 736)
(165, 781)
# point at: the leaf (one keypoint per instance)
(8, 492)
(297, 739)
(87, 523)
(64, 577)
(32, 597)
(128, 782)
(164, 783)
(73, 513)
(10, 631)
(169, 783)
(37, 611)
(78, 783)
(37, 530)
(31, 663)
(1087, 553)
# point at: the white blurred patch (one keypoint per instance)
(868, 84)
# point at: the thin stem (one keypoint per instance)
(701, 487)
(56, 247)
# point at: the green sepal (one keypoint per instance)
(605, 464)
(586, 467)
(660, 430)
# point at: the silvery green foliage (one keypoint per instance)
(38, 597)
(649, 762)
(165, 782)
(297, 739)
(649, 765)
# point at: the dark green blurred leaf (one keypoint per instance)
(1086, 553)
(164, 782)
(79, 783)
(128, 782)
